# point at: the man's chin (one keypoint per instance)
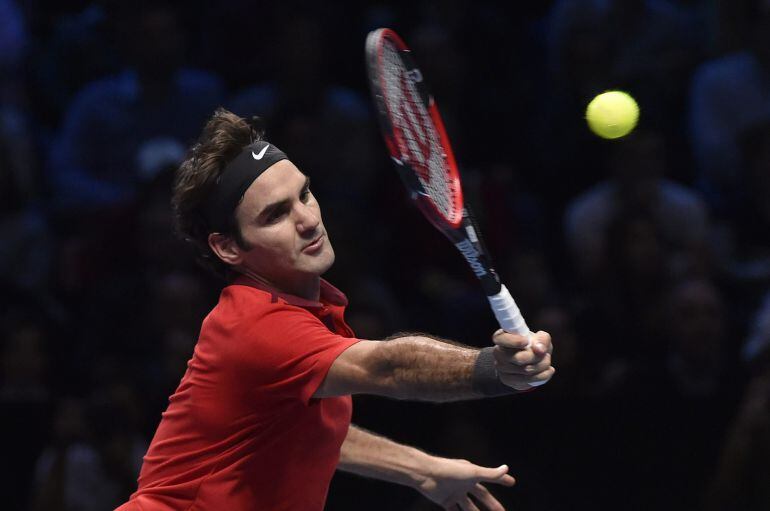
(318, 264)
(327, 263)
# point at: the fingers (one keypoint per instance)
(497, 475)
(523, 368)
(466, 504)
(521, 382)
(538, 343)
(486, 498)
(520, 365)
(518, 357)
(471, 486)
(541, 343)
(508, 340)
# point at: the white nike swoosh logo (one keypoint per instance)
(261, 153)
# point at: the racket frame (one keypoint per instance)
(461, 229)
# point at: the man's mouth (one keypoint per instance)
(315, 245)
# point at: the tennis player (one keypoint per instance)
(261, 418)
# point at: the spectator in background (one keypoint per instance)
(13, 38)
(80, 49)
(655, 46)
(314, 118)
(728, 95)
(69, 427)
(175, 305)
(576, 372)
(626, 300)
(744, 469)
(688, 325)
(95, 453)
(25, 250)
(699, 356)
(579, 58)
(694, 391)
(637, 185)
(744, 232)
(24, 361)
(375, 313)
(25, 400)
(14, 41)
(756, 349)
(644, 46)
(529, 274)
(156, 246)
(114, 122)
(512, 215)
(135, 266)
(578, 47)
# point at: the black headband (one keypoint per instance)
(236, 179)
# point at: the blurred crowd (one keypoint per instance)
(646, 258)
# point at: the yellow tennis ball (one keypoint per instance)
(612, 114)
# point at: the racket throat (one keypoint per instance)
(480, 266)
(473, 257)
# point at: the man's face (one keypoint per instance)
(280, 222)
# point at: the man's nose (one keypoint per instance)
(308, 219)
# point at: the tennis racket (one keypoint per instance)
(420, 151)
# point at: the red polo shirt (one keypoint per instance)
(242, 431)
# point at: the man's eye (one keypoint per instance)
(305, 195)
(275, 216)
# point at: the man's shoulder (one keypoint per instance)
(245, 315)
(680, 196)
(255, 328)
(242, 301)
(244, 307)
(725, 69)
(597, 200)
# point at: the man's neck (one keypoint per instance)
(309, 289)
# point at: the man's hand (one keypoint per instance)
(451, 483)
(519, 366)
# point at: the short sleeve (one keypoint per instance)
(286, 353)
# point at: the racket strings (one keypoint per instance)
(419, 142)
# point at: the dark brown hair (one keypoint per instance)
(224, 136)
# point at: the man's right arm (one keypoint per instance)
(418, 367)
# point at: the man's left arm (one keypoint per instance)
(447, 482)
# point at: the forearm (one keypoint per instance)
(369, 455)
(419, 367)
(447, 482)
(423, 368)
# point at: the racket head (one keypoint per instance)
(413, 130)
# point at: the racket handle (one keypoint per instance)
(508, 313)
(510, 318)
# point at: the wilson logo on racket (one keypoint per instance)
(471, 255)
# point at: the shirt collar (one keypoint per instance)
(330, 295)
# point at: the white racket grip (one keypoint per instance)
(508, 313)
(510, 318)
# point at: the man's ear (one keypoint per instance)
(226, 248)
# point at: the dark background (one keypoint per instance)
(647, 258)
